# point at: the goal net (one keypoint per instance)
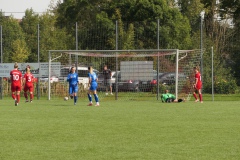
(136, 74)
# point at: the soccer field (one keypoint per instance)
(58, 130)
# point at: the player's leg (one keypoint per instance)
(70, 91)
(89, 97)
(75, 90)
(18, 89)
(96, 97)
(25, 90)
(31, 93)
(200, 95)
(13, 92)
(195, 95)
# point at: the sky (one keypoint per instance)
(10, 7)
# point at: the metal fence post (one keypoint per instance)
(158, 47)
(116, 80)
(38, 42)
(212, 77)
(76, 56)
(1, 80)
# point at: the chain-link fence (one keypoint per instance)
(40, 38)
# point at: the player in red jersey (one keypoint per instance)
(16, 83)
(28, 80)
(197, 85)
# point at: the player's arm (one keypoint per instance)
(24, 80)
(162, 98)
(89, 79)
(68, 77)
(21, 79)
(196, 81)
(77, 79)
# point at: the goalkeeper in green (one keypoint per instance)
(168, 98)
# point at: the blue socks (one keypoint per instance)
(75, 99)
(96, 97)
(89, 97)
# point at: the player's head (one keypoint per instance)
(90, 68)
(15, 65)
(196, 69)
(28, 70)
(73, 69)
(166, 91)
(105, 67)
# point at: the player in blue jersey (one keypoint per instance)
(92, 86)
(73, 84)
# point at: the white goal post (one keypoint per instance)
(163, 60)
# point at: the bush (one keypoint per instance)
(222, 87)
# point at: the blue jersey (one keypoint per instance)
(93, 77)
(72, 78)
(93, 85)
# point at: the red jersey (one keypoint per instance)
(16, 77)
(29, 79)
(199, 80)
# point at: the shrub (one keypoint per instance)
(222, 87)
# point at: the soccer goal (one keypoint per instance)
(135, 74)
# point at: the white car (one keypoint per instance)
(52, 79)
(82, 75)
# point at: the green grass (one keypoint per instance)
(58, 130)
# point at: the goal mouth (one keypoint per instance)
(149, 71)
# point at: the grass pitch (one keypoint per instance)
(58, 130)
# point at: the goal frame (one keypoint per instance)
(78, 52)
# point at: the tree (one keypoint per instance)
(20, 51)
(52, 37)
(11, 32)
(29, 26)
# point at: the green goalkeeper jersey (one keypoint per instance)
(164, 97)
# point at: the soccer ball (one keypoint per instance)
(65, 98)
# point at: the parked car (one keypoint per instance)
(52, 79)
(169, 78)
(147, 86)
(82, 74)
(125, 85)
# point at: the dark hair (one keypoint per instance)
(70, 71)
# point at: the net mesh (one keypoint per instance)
(134, 72)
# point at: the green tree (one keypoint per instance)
(29, 26)
(52, 37)
(20, 51)
(11, 32)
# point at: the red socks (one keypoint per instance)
(18, 98)
(13, 96)
(31, 96)
(200, 97)
(26, 95)
(195, 96)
